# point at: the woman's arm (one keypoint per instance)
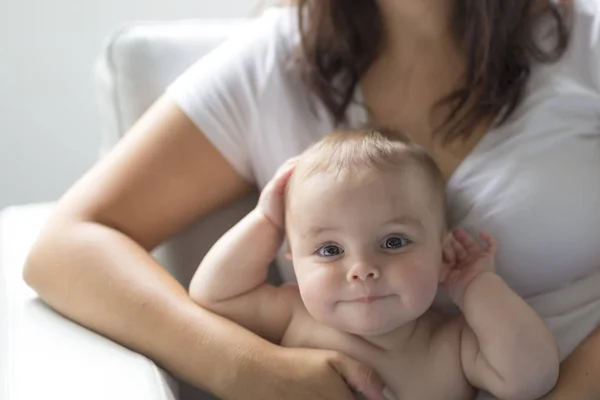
(579, 376)
(92, 264)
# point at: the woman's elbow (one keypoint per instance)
(38, 270)
(46, 265)
(32, 270)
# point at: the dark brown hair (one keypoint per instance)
(340, 39)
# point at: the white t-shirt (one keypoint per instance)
(533, 182)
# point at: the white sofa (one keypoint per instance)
(42, 354)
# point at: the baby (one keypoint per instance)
(365, 222)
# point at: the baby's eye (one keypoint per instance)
(330, 250)
(395, 242)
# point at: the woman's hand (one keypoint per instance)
(301, 374)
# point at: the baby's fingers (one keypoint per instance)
(459, 250)
(449, 256)
(490, 241)
(283, 174)
(466, 240)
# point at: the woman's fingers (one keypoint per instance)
(359, 377)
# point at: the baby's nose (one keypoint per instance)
(363, 273)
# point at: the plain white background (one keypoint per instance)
(48, 120)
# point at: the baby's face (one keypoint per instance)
(366, 248)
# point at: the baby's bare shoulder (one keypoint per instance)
(443, 354)
(302, 322)
(445, 332)
(290, 291)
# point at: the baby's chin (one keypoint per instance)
(371, 331)
(366, 328)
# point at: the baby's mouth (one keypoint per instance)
(369, 299)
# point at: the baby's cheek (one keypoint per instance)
(317, 291)
(417, 283)
(426, 289)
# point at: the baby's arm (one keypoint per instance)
(506, 348)
(231, 279)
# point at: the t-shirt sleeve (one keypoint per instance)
(219, 93)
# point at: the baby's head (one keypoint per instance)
(365, 220)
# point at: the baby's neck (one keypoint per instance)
(394, 340)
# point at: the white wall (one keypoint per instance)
(48, 120)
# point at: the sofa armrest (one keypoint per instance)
(45, 356)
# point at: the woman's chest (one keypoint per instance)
(538, 192)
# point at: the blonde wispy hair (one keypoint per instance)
(382, 149)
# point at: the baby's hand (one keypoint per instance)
(466, 259)
(271, 202)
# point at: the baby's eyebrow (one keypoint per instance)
(406, 220)
(317, 230)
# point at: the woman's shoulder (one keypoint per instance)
(232, 89)
(591, 8)
(250, 53)
(267, 40)
(274, 27)
(577, 71)
(585, 26)
(282, 23)
(273, 44)
(581, 61)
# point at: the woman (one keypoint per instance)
(490, 88)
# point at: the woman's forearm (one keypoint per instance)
(101, 279)
(580, 372)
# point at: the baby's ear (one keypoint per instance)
(444, 270)
(286, 248)
(448, 256)
(447, 240)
